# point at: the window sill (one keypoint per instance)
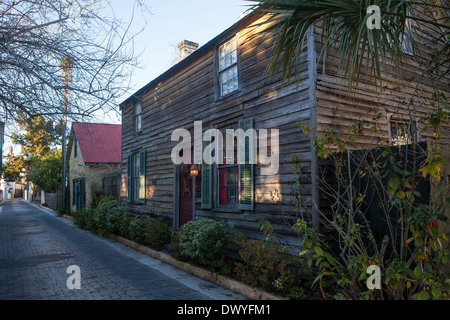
(228, 210)
(228, 96)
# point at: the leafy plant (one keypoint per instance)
(63, 211)
(108, 216)
(202, 242)
(46, 170)
(148, 231)
(269, 265)
(346, 37)
(407, 243)
(84, 219)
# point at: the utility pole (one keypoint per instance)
(66, 67)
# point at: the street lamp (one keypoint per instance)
(66, 64)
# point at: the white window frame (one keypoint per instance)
(413, 129)
(407, 46)
(217, 180)
(136, 177)
(137, 110)
(224, 67)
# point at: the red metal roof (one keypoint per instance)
(99, 142)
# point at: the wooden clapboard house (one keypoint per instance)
(224, 85)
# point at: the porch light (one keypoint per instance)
(194, 170)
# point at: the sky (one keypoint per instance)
(172, 21)
(167, 24)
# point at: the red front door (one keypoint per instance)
(185, 195)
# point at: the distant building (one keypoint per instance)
(94, 154)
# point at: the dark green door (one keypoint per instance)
(79, 194)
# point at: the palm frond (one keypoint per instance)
(343, 26)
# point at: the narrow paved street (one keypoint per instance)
(36, 248)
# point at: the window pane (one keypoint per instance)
(227, 54)
(137, 108)
(228, 185)
(138, 124)
(223, 195)
(401, 133)
(137, 159)
(137, 116)
(136, 188)
(232, 195)
(229, 81)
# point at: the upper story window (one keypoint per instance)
(75, 147)
(407, 45)
(402, 132)
(137, 116)
(405, 39)
(228, 72)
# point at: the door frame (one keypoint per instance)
(78, 191)
(176, 198)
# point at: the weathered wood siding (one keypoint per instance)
(189, 95)
(405, 94)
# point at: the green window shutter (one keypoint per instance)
(129, 177)
(74, 194)
(206, 184)
(83, 193)
(142, 164)
(246, 173)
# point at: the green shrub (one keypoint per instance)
(269, 265)
(98, 196)
(148, 231)
(108, 216)
(84, 219)
(101, 215)
(124, 225)
(202, 242)
(63, 211)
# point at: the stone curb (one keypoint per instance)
(225, 282)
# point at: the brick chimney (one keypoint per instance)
(186, 48)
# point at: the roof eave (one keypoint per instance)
(251, 17)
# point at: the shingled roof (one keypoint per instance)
(99, 142)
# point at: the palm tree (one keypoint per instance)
(345, 32)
